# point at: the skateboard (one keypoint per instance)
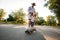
(30, 31)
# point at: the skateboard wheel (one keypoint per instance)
(34, 29)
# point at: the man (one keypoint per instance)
(31, 16)
(31, 12)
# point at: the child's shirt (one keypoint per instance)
(32, 18)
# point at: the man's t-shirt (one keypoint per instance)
(30, 10)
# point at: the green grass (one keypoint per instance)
(56, 26)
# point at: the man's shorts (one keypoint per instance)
(32, 24)
(29, 16)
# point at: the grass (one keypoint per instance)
(56, 26)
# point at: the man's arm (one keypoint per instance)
(29, 9)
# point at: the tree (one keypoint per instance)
(50, 20)
(40, 21)
(19, 16)
(54, 6)
(11, 18)
(2, 14)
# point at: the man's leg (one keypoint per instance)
(29, 22)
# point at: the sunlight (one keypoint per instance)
(11, 5)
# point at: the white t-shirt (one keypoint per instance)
(32, 10)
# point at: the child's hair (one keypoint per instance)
(31, 14)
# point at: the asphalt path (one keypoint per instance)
(17, 32)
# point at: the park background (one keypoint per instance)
(15, 12)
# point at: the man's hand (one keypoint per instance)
(34, 14)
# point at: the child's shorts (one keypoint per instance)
(32, 24)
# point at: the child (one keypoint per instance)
(32, 21)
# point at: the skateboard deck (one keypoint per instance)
(30, 31)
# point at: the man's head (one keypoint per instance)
(33, 4)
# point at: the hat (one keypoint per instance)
(34, 4)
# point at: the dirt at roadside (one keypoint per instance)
(49, 38)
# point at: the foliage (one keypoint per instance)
(2, 14)
(39, 20)
(50, 20)
(19, 16)
(54, 5)
(11, 18)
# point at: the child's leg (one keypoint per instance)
(32, 25)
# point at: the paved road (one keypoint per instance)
(16, 32)
(50, 33)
